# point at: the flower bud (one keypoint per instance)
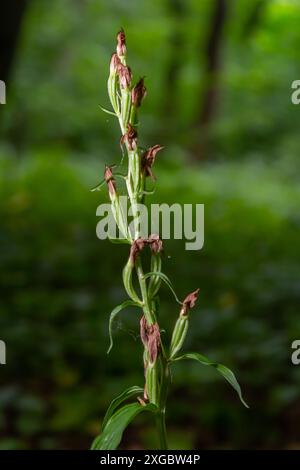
(116, 206)
(178, 336)
(155, 281)
(121, 43)
(114, 64)
(110, 180)
(150, 336)
(136, 247)
(125, 76)
(151, 383)
(138, 93)
(113, 82)
(127, 281)
(182, 324)
(156, 247)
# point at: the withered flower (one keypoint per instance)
(142, 401)
(138, 92)
(148, 160)
(136, 247)
(121, 43)
(110, 180)
(150, 336)
(125, 75)
(189, 302)
(114, 63)
(155, 243)
(130, 137)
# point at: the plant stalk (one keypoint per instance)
(162, 431)
(158, 373)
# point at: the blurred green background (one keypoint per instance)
(219, 76)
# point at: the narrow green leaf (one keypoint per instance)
(223, 370)
(114, 313)
(112, 434)
(166, 280)
(129, 392)
(108, 112)
(102, 182)
(120, 175)
(149, 191)
(99, 186)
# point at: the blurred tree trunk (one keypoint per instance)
(12, 12)
(212, 57)
(255, 17)
(177, 10)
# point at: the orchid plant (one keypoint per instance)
(158, 357)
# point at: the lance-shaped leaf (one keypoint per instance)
(107, 111)
(103, 181)
(166, 280)
(112, 434)
(114, 313)
(128, 393)
(99, 186)
(223, 370)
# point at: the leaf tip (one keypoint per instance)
(109, 348)
(245, 404)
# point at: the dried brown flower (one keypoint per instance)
(110, 180)
(130, 137)
(136, 247)
(148, 159)
(142, 401)
(138, 93)
(150, 336)
(125, 75)
(155, 243)
(189, 302)
(121, 43)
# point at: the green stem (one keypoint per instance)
(162, 432)
(135, 182)
(150, 317)
(161, 417)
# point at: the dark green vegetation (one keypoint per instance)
(59, 283)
